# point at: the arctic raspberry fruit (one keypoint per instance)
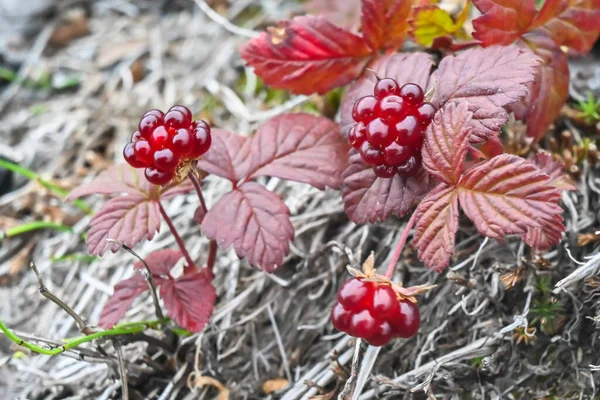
(389, 128)
(165, 141)
(371, 311)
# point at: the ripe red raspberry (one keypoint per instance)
(164, 142)
(389, 128)
(371, 311)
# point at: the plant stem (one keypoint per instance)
(83, 326)
(176, 235)
(400, 246)
(212, 247)
(124, 329)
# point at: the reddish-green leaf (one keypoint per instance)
(226, 156)
(404, 68)
(436, 226)
(368, 198)
(160, 262)
(124, 294)
(127, 219)
(446, 142)
(306, 55)
(488, 79)
(548, 93)
(300, 147)
(555, 170)
(255, 221)
(508, 195)
(547, 236)
(572, 23)
(502, 21)
(385, 22)
(189, 300)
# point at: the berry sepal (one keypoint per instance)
(369, 274)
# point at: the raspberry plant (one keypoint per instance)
(253, 220)
(415, 129)
(515, 63)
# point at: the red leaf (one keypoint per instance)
(550, 90)
(488, 79)
(368, 198)
(502, 21)
(437, 223)
(124, 294)
(306, 55)
(446, 142)
(118, 179)
(300, 147)
(255, 221)
(572, 23)
(508, 195)
(404, 68)
(227, 155)
(189, 300)
(555, 170)
(385, 22)
(160, 262)
(547, 236)
(127, 219)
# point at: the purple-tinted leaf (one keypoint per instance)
(488, 79)
(300, 147)
(307, 54)
(127, 219)
(117, 305)
(446, 142)
(124, 179)
(555, 169)
(170, 192)
(508, 195)
(117, 179)
(547, 236)
(255, 221)
(404, 68)
(368, 198)
(189, 300)
(436, 226)
(227, 155)
(160, 262)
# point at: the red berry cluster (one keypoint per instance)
(371, 311)
(389, 129)
(165, 141)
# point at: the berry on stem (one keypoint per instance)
(166, 141)
(389, 128)
(373, 312)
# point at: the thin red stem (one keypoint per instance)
(400, 246)
(176, 235)
(212, 247)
